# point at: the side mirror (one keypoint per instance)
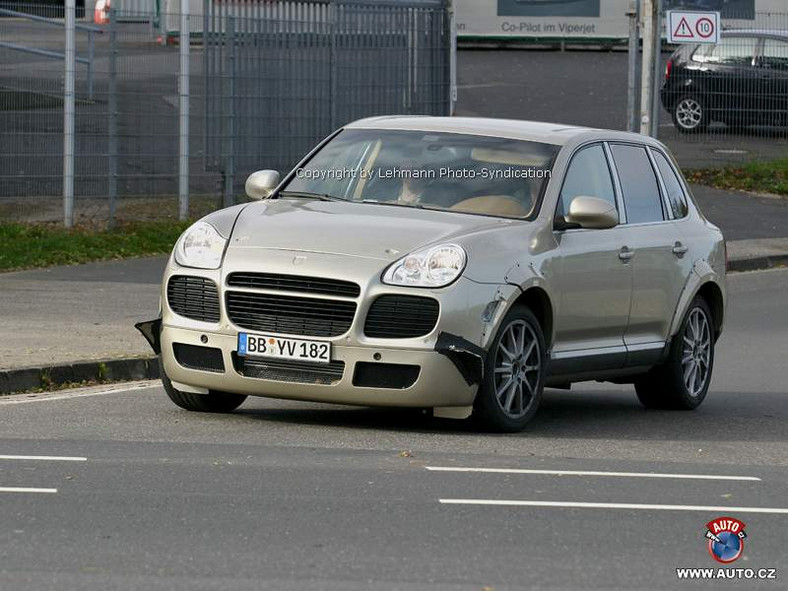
(592, 212)
(261, 184)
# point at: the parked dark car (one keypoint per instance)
(742, 80)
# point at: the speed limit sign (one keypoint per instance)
(693, 27)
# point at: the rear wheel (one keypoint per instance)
(682, 382)
(219, 402)
(690, 114)
(514, 374)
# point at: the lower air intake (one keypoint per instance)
(285, 370)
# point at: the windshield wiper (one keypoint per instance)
(308, 195)
(395, 204)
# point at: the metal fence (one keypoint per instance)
(729, 100)
(171, 104)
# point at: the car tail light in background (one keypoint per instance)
(668, 68)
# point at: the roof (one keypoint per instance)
(783, 34)
(549, 133)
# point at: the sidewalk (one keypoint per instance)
(68, 324)
(65, 324)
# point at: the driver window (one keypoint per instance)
(588, 175)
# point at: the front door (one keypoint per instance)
(773, 71)
(595, 275)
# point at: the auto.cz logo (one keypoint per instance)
(726, 539)
(748, 574)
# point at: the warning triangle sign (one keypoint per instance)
(683, 29)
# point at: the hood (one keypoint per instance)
(354, 229)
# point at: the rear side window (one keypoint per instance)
(775, 54)
(676, 197)
(731, 51)
(588, 175)
(639, 186)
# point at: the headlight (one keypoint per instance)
(432, 267)
(200, 246)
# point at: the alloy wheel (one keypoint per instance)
(689, 113)
(518, 367)
(696, 355)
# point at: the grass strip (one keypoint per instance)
(24, 246)
(757, 177)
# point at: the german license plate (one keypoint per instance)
(258, 345)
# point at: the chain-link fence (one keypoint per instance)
(730, 99)
(255, 85)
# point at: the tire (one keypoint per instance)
(689, 114)
(218, 402)
(672, 385)
(519, 344)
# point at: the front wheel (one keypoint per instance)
(682, 382)
(514, 374)
(690, 115)
(218, 402)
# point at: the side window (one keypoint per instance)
(676, 197)
(589, 175)
(775, 54)
(731, 51)
(638, 184)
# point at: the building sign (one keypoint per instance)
(587, 19)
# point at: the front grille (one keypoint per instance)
(401, 317)
(395, 376)
(278, 282)
(193, 297)
(286, 370)
(202, 358)
(289, 315)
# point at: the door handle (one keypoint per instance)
(625, 254)
(680, 249)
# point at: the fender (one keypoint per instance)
(702, 273)
(518, 280)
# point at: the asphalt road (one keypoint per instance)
(287, 495)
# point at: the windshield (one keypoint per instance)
(463, 173)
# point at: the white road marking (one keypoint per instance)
(16, 489)
(45, 458)
(78, 392)
(592, 473)
(636, 506)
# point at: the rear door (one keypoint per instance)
(658, 249)
(731, 81)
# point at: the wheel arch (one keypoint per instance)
(538, 301)
(712, 294)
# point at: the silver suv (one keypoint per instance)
(455, 264)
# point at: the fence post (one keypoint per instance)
(647, 73)
(453, 59)
(206, 41)
(68, 116)
(333, 67)
(113, 115)
(183, 111)
(634, 15)
(655, 102)
(229, 166)
(91, 67)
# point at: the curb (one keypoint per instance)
(758, 263)
(100, 370)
